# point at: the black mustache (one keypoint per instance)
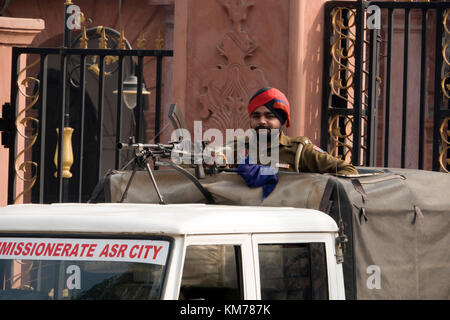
(263, 128)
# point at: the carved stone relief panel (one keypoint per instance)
(226, 61)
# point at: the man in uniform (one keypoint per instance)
(268, 110)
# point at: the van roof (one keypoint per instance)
(174, 219)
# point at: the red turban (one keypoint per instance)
(273, 99)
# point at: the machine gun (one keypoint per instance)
(161, 155)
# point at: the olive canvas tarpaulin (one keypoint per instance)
(397, 220)
(404, 236)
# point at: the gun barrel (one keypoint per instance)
(122, 145)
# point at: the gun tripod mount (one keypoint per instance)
(143, 153)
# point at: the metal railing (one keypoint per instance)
(362, 77)
(30, 162)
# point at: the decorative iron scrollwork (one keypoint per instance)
(342, 79)
(23, 122)
(342, 82)
(444, 129)
(337, 134)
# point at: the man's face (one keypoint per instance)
(266, 125)
(263, 118)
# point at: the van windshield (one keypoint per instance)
(82, 269)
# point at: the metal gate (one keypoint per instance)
(52, 102)
(386, 83)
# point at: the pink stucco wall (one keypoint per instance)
(13, 32)
(305, 67)
(226, 50)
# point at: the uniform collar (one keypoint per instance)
(284, 139)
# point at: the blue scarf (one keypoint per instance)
(256, 175)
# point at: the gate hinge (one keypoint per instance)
(6, 125)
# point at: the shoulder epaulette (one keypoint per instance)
(302, 140)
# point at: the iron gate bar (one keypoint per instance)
(139, 75)
(82, 121)
(62, 117)
(158, 102)
(407, 5)
(41, 142)
(359, 60)
(389, 4)
(326, 96)
(387, 117)
(158, 98)
(437, 88)
(372, 107)
(13, 133)
(405, 86)
(119, 112)
(423, 78)
(101, 91)
(94, 52)
(67, 32)
(345, 112)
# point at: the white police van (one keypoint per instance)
(176, 251)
